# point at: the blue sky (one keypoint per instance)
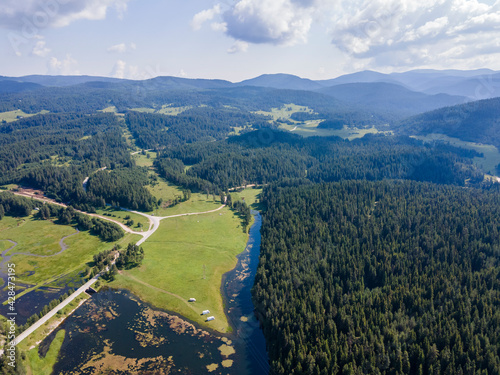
(240, 39)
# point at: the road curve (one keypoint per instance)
(50, 201)
(155, 225)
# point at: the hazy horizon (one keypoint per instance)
(241, 39)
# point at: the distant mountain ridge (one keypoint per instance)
(390, 97)
(474, 84)
(282, 81)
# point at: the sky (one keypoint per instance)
(241, 39)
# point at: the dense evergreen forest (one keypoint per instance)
(396, 277)
(268, 155)
(192, 125)
(380, 255)
(474, 122)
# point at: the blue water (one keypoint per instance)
(112, 321)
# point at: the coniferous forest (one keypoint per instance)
(379, 255)
(392, 277)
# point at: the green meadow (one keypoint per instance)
(186, 258)
(166, 191)
(120, 215)
(285, 111)
(44, 365)
(143, 160)
(42, 237)
(11, 116)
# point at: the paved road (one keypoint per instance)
(54, 311)
(155, 220)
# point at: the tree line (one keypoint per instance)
(390, 277)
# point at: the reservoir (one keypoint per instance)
(114, 330)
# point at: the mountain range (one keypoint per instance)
(398, 94)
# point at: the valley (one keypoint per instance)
(352, 185)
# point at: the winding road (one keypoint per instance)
(154, 225)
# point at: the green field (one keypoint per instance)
(487, 163)
(42, 237)
(187, 257)
(310, 128)
(143, 160)
(285, 112)
(44, 366)
(250, 196)
(167, 191)
(111, 109)
(197, 203)
(11, 116)
(120, 215)
(167, 109)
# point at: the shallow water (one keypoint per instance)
(116, 330)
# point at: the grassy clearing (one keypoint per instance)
(167, 192)
(44, 366)
(34, 236)
(487, 163)
(129, 139)
(236, 130)
(42, 237)
(111, 109)
(187, 256)
(310, 128)
(9, 187)
(11, 116)
(120, 215)
(143, 160)
(250, 196)
(60, 161)
(197, 203)
(167, 109)
(164, 190)
(285, 111)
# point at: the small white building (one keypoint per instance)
(205, 312)
(210, 318)
(192, 300)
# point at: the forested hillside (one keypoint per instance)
(380, 278)
(380, 255)
(269, 155)
(475, 122)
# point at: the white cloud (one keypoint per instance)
(119, 70)
(122, 48)
(29, 16)
(205, 15)
(123, 70)
(118, 48)
(63, 67)
(381, 33)
(391, 26)
(40, 49)
(238, 46)
(284, 22)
